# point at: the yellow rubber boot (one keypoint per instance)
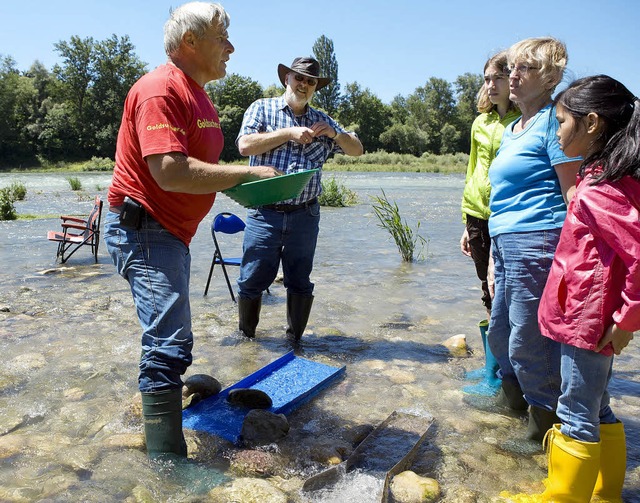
(613, 464)
(573, 468)
(572, 472)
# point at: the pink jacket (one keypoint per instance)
(595, 276)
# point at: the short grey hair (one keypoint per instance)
(548, 53)
(195, 17)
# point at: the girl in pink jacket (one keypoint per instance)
(591, 301)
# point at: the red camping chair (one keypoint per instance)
(77, 232)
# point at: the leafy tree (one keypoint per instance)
(363, 108)
(57, 135)
(273, 91)
(449, 139)
(405, 139)
(234, 90)
(115, 68)
(433, 106)
(467, 87)
(399, 111)
(17, 98)
(76, 74)
(327, 98)
(232, 96)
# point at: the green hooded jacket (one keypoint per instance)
(486, 134)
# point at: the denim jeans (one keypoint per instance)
(274, 236)
(584, 402)
(522, 263)
(157, 266)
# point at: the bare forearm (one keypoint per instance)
(176, 173)
(259, 143)
(349, 143)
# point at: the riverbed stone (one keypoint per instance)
(141, 494)
(255, 463)
(11, 445)
(203, 384)
(457, 345)
(248, 490)
(330, 451)
(408, 487)
(261, 427)
(74, 394)
(125, 441)
(399, 376)
(250, 398)
(28, 361)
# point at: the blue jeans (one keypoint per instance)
(157, 266)
(584, 402)
(273, 236)
(522, 262)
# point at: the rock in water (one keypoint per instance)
(262, 427)
(203, 384)
(250, 398)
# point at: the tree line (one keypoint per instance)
(72, 112)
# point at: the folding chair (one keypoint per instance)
(226, 223)
(77, 232)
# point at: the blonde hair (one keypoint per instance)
(483, 103)
(547, 53)
(196, 17)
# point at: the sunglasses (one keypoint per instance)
(302, 78)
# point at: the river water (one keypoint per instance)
(70, 344)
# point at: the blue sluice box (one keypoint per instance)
(289, 381)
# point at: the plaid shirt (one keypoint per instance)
(270, 114)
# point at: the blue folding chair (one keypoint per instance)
(226, 223)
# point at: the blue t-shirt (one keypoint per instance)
(525, 190)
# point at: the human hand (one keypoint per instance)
(618, 338)
(464, 243)
(262, 172)
(302, 135)
(491, 277)
(322, 128)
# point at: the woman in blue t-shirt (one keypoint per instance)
(531, 183)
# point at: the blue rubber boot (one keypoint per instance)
(491, 383)
(477, 374)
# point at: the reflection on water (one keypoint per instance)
(69, 429)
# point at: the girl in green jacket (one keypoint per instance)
(497, 111)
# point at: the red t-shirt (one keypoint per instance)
(165, 111)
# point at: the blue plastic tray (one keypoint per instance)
(289, 381)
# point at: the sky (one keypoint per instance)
(388, 47)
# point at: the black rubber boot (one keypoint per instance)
(249, 315)
(298, 309)
(162, 415)
(511, 396)
(540, 421)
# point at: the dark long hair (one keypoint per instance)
(617, 148)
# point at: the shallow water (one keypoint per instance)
(70, 343)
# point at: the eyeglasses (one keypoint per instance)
(520, 69)
(302, 78)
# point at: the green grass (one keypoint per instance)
(374, 162)
(404, 236)
(336, 194)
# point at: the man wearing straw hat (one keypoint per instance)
(287, 133)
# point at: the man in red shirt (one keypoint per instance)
(164, 183)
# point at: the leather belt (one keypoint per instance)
(288, 208)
